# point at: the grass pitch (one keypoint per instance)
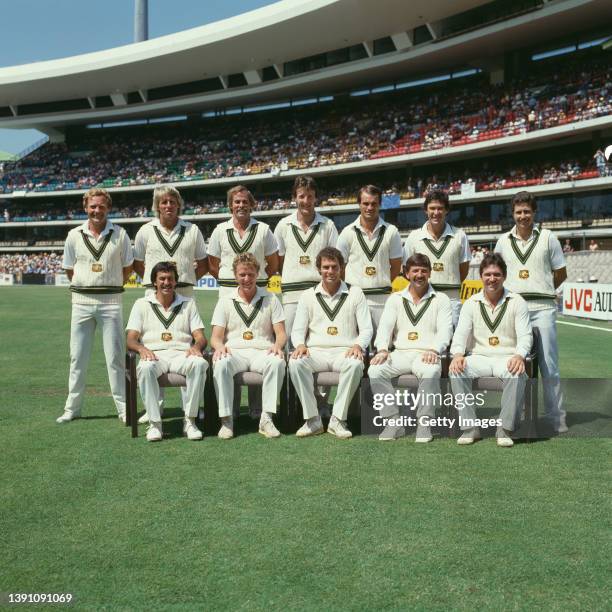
(284, 524)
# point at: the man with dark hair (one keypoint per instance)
(447, 246)
(98, 260)
(372, 249)
(300, 236)
(167, 332)
(493, 338)
(415, 329)
(536, 268)
(241, 234)
(332, 330)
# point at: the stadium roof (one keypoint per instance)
(247, 59)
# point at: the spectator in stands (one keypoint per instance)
(593, 245)
(601, 163)
(567, 246)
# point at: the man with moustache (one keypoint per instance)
(167, 332)
(415, 329)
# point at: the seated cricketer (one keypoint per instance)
(248, 334)
(331, 332)
(415, 329)
(167, 332)
(493, 338)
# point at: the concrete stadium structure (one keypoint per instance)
(295, 52)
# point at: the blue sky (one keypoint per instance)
(36, 30)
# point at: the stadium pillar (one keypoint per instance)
(141, 20)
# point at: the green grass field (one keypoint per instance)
(285, 524)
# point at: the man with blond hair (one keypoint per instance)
(248, 334)
(97, 259)
(170, 238)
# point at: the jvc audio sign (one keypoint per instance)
(588, 300)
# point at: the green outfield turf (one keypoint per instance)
(316, 524)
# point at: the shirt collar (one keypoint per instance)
(380, 223)
(107, 228)
(259, 293)
(479, 297)
(448, 231)
(534, 232)
(178, 299)
(405, 293)
(230, 223)
(158, 224)
(342, 289)
(293, 219)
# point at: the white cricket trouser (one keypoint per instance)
(171, 360)
(271, 367)
(548, 361)
(512, 395)
(188, 293)
(407, 362)
(455, 304)
(376, 304)
(289, 310)
(325, 360)
(85, 319)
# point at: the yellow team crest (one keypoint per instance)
(370, 271)
(332, 331)
(523, 274)
(166, 336)
(438, 266)
(493, 341)
(248, 335)
(96, 267)
(304, 260)
(413, 335)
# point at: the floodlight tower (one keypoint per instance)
(141, 20)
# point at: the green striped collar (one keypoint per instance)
(405, 293)
(342, 289)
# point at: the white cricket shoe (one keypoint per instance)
(154, 432)
(503, 438)
(312, 427)
(68, 416)
(227, 428)
(190, 430)
(267, 427)
(338, 428)
(469, 436)
(392, 432)
(423, 434)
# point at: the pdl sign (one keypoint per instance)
(588, 300)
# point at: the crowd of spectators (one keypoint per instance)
(511, 177)
(333, 133)
(33, 263)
